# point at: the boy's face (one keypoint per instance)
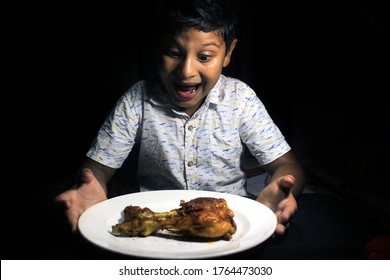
(191, 64)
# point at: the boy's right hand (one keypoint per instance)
(87, 193)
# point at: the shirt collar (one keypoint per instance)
(217, 94)
(158, 94)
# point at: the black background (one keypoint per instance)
(320, 67)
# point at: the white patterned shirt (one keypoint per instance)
(202, 152)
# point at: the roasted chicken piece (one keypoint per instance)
(206, 217)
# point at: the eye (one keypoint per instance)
(171, 52)
(204, 57)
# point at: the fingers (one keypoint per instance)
(74, 200)
(58, 199)
(86, 175)
(283, 223)
(73, 217)
(69, 200)
(284, 216)
(62, 198)
(280, 229)
(287, 181)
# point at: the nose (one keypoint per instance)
(187, 67)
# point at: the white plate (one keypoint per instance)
(255, 223)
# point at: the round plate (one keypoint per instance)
(255, 224)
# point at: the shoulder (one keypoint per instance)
(142, 90)
(234, 91)
(235, 86)
(138, 88)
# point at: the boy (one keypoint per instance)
(191, 121)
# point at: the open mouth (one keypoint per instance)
(186, 92)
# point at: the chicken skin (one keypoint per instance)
(205, 217)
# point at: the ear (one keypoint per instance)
(228, 55)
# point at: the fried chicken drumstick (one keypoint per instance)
(206, 217)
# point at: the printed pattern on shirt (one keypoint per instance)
(202, 152)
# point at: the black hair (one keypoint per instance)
(220, 16)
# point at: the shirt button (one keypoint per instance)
(190, 128)
(190, 163)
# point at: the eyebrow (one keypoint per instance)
(211, 44)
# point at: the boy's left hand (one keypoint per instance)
(278, 197)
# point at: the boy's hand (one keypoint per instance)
(88, 193)
(278, 197)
